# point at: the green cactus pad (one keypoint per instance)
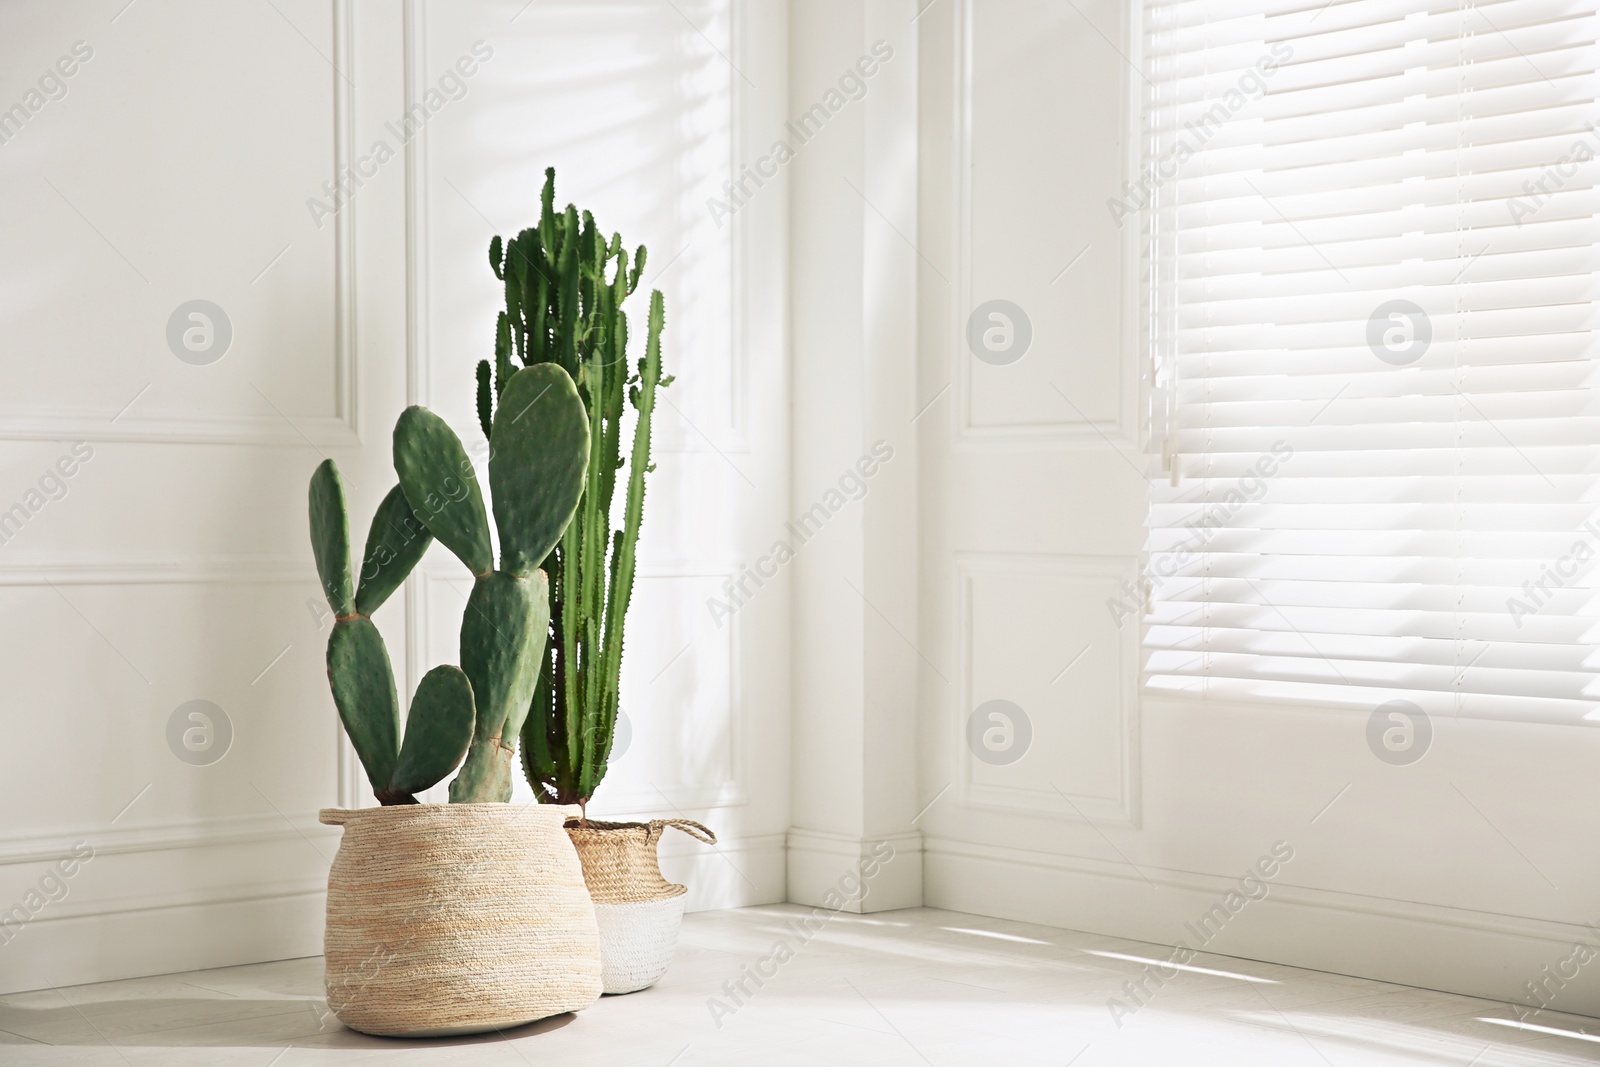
(502, 641)
(438, 731)
(363, 689)
(441, 487)
(485, 776)
(395, 544)
(330, 538)
(537, 464)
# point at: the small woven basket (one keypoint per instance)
(638, 910)
(456, 919)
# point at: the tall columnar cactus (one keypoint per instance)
(440, 723)
(539, 452)
(565, 286)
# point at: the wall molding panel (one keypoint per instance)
(1116, 654)
(1069, 431)
(268, 426)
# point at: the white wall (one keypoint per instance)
(1467, 871)
(179, 165)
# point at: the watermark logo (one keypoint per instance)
(1538, 590)
(339, 190)
(851, 485)
(999, 732)
(52, 85)
(1254, 885)
(1197, 133)
(621, 736)
(999, 332)
(1554, 178)
(851, 86)
(852, 887)
(52, 485)
(51, 888)
(1399, 332)
(1399, 732)
(199, 332)
(199, 733)
(1553, 978)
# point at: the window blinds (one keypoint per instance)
(1372, 250)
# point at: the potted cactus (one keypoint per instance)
(565, 288)
(472, 915)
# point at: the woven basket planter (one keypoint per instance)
(638, 910)
(456, 919)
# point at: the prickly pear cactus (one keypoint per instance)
(539, 455)
(440, 724)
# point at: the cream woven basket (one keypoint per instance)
(638, 910)
(456, 919)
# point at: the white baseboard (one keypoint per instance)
(827, 868)
(133, 927)
(1427, 945)
(72, 949)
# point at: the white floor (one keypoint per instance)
(914, 987)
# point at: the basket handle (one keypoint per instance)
(334, 816)
(698, 831)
